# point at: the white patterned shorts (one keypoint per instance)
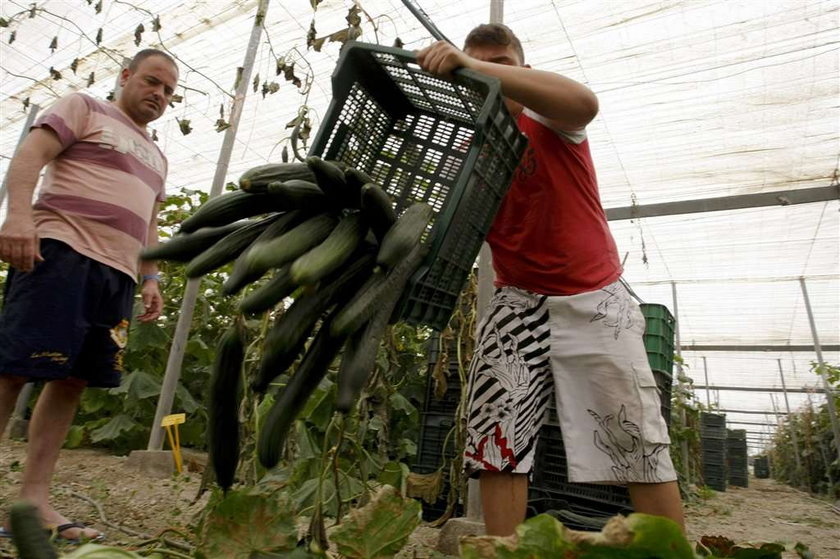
(587, 350)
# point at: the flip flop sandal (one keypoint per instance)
(62, 527)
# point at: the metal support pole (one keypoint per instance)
(793, 436)
(680, 377)
(706, 376)
(829, 393)
(486, 277)
(182, 329)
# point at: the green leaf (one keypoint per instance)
(401, 403)
(376, 423)
(188, 403)
(114, 428)
(307, 442)
(248, 523)
(147, 335)
(74, 437)
(380, 528)
(394, 474)
(138, 385)
(319, 407)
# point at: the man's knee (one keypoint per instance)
(71, 384)
(12, 382)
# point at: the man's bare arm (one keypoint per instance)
(19, 243)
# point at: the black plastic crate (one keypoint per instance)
(713, 420)
(575, 513)
(664, 380)
(550, 473)
(437, 440)
(761, 466)
(451, 144)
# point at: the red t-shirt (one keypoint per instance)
(550, 235)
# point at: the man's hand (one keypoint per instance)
(19, 243)
(152, 301)
(442, 58)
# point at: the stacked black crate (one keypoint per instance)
(736, 457)
(713, 445)
(436, 447)
(581, 506)
(761, 465)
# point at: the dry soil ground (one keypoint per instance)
(766, 511)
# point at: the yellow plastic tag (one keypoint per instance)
(173, 419)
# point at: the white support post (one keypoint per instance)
(182, 328)
(829, 393)
(793, 436)
(680, 377)
(486, 277)
(706, 376)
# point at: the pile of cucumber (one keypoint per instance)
(330, 239)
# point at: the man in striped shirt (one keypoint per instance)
(73, 258)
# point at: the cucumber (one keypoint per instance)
(378, 208)
(232, 206)
(228, 248)
(404, 234)
(302, 194)
(330, 179)
(185, 247)
(241, 275)
(332, 252)
(361, 349)
(291, 399)
(257, 179)
(268, 295)
(30, 537)
(378, 288)
(223, 409)
(291, 244)
(287, 337)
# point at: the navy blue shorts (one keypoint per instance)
(68, 317)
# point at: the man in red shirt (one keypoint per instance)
(560, 321)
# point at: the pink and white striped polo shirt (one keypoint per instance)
(98, 195)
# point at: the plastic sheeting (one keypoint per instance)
(698, 99)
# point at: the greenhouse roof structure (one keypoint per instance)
(717, 143)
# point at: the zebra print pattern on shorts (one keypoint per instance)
(510, 383)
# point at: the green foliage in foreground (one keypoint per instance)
(638, 536)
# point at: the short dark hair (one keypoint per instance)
(146, 53)
(494, 34)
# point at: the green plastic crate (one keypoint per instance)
(658, 320)
(449, 143)
(659, 336)
(660, 352)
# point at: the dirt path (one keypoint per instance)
(766, 511)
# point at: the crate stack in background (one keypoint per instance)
(659, 345)
(736, 457)
(761, 467)
(436, 447)
(713, 446)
